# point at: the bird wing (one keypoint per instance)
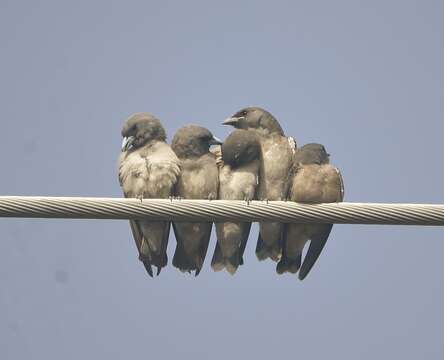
(318, 240)
(331, 190)
(341, 194)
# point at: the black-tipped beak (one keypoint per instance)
(216, 141)
(233, 121)
(127, 143)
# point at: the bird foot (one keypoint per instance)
(248, 199)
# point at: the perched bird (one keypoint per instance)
(199, 179)
(238, 179)
(315, 181)
(276, 166)
(148, 168)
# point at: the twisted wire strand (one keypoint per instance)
(220, 210)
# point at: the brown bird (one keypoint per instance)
(277, 153)
(315, 181)
(148, 168)
(199, 179)
(238, 179)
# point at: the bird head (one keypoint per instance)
(255, 118)
(312, 154)
(240, 148)
(193, 140)
(140, 129)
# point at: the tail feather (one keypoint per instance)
(289, 265)
(180, 259)
(147, 264)
(217, 262)
(232, 263)
(189, 257)
(265, 251)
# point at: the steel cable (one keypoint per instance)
(220, 210)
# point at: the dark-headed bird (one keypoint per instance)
(199, 179)
(148, 168)
(315, 181)
(238, 180)
(277, 153)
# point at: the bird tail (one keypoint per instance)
(288, 265)
(180, 259)
(233, 262)
(219, 262)
(265, 251)
(147, 264)
(191, 260)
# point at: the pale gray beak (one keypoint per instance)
(233, 121)
(216, 141)
(127, 143)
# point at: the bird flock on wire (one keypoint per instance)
(257, 161)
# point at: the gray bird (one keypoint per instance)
(277, 153)
(199, 179)
(315, 181)
(238, 180)
(148, 168)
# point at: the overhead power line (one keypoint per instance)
(220, 210)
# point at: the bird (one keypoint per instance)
(315, 181)
(276, 166)
(148, 168)
(238, 180)
(199, 179)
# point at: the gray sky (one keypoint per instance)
(364, 78)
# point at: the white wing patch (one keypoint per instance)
(292, 143)
(342, 183)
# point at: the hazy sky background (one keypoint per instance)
(364, 78)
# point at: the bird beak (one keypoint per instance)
(127, 143)
(216, 141)
(233, 121)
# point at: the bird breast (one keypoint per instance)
(149, 172)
